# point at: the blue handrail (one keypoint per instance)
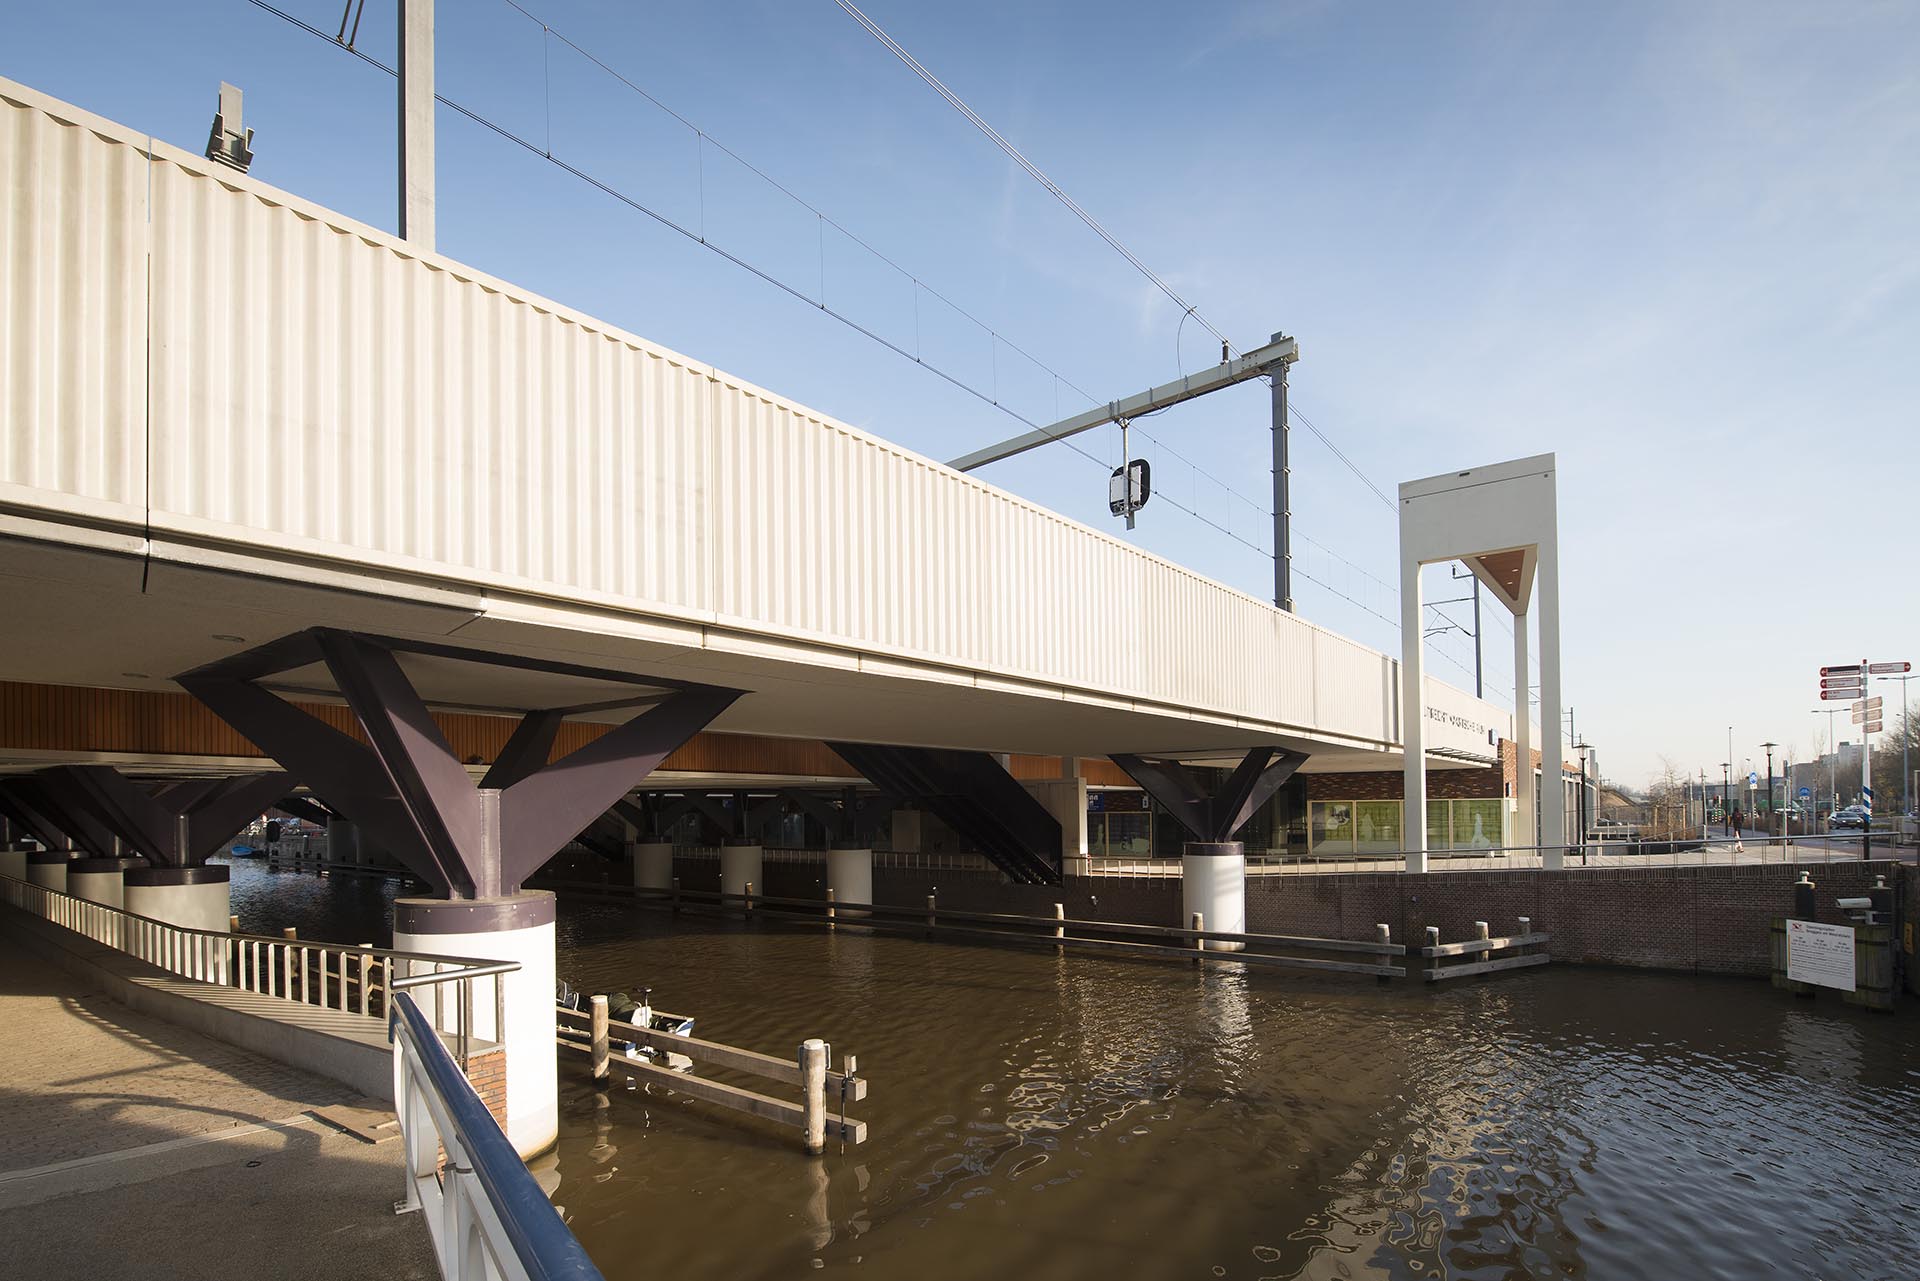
(544, 1244)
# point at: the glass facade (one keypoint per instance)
(1373, 827)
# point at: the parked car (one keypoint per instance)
(1851, 816)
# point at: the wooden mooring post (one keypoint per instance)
(592, 1032)
(933, 907)
(1199, 944)
(1060, 931)
(1383, 934)
(830, 908)
(813, 1093)
(1483, 946)
(597, 1032)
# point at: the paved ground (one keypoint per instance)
(133, 1148)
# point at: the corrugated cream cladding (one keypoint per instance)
(314, 385)
(73, 228)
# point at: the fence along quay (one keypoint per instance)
(486, 1216)
(1379, 957)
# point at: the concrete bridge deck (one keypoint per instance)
(133, 1147)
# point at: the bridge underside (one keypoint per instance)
(102, 619)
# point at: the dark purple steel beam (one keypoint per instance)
(406, 786)
(148, 823)
(1214, 817)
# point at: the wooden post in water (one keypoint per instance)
(597, 1018)
(813, 1092)
(749, 898)
(1199, 944)
(676, 894)
(1526, 928)
(1481, 932)
(233, 924)
(1433, 941)
(830, 907)
(933, 900)
(1059, 931)
(1383, 934)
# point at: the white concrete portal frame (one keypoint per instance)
(1502, 523)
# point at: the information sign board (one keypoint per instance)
(1820, 954)
(1845, 669)
(1829, 695)
(1873, 727)
(1868, 704)
(1806, 793)
(1889, 669)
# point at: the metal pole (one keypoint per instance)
(1479, 685)
(1282, 507)
(416, 122)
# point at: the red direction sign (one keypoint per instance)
(1830, 694)
(1889, 669)
(1842, 682)
(1845, 669)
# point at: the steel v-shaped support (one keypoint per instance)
(406, 786)
(1213, 817)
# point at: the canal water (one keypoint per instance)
(1035, 1115)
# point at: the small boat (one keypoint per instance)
(623, 1009)
(247, 851)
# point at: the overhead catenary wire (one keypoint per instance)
(545, 152)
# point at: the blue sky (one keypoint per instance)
(1673, 244)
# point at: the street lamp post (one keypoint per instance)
(1771, 809)
(1583, 748)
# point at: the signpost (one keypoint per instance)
(1820, 954)
(1889, 669)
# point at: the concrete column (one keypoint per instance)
(1553, 792)
(906, 831)
(194, 898)
(1413, 716)
(1214, 882)
(101, 880)
(13, 860)
(1523, 734)
(343, 841)
(742, 863)
(1066, 800)
(517, 927)
(850, 874)
(48, 870)
(653, 865)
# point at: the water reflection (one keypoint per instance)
(1055, 1116)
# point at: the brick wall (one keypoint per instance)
(1387, 785)
(487, 1072)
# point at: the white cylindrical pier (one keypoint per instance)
(13, 860)
(653, 865)
(48, 870)
(517, 927)
(101, 880)
(195, 898)
(850, 875)
(1214, 883)
(742, 864)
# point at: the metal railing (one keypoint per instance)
(488, 1219)
(347, 979)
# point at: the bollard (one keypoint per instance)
(813, 1092)
(233, 925)
(849, 1073)
(1199, 944)
(1803, 906)
(749, 898)
(1060, 931)
(932, 906)
(1433, 941)
(597, 1014)
(1383, 935)
(1481, 932)
(830, 909)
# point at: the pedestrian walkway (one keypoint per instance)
(130, 1147)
